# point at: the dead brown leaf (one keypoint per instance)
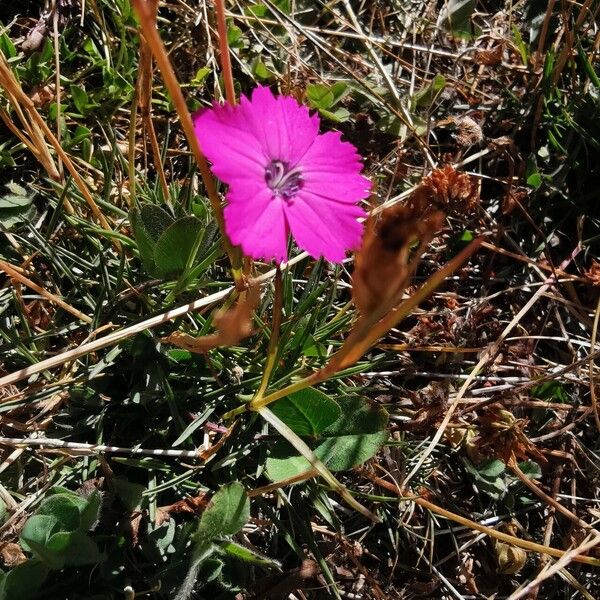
(502, 436)
(232, 325)
(192, 505)
(490, 56)
(11, 554)
(593, 273)
(386, 259)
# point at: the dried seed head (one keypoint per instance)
(451, 191)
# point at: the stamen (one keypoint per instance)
(283, 181)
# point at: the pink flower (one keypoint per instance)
(283, 177)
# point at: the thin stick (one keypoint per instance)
(224, 55)
(55, 444)
(147, 25)
(591, 366)
(57, 76)
(272, 351)
(512, 464)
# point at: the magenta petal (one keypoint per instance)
(331, 168)
(324, 228)
(226, 140)
(284, 128)
(257, 223)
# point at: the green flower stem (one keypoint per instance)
(274, 341)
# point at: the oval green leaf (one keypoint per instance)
(307, 412)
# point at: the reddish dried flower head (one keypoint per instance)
(451, 191)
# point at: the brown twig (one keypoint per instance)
(148, 27)
(499, 535)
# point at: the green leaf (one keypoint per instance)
(34, 536)
(130, 494)
(532, 175)
(234, 36)
(11, 201)
(520, 44)
(246, 555)
(352, 439)
(3, 511)
(80, 134)
(340, 115)
(319, 96)
(489, 477)
(491, 468)
(144, 241)
(37, 530)
(80, 99)
(58, 542)
(356, 436)
(257, 10)
(455, 17)
(550, 390)
(200, 76)
(227, 513)
(174, 247)
(65, 508)
(210, 569)
(155, 220)
(23, 581)
(261, 71)
(531, 469)
(534, 180)
(307, 412)
(15, 206)
(425, 97)
(82, 550)
(339, 90)
(91, 511)
(284, 462)
(7, 47)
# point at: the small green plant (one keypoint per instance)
(325, 98)
(57, 537)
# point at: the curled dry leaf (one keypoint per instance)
(193, 505)
(11, 554)
(503, 436)
(388, 257)
(490, 56)
(232, 326)
(510, 558)
(593, 273)
(513, 198)
(42, 95)
(466, 131)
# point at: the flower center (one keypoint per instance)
(284, 182)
